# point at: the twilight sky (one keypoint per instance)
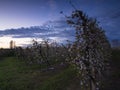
(47, 22)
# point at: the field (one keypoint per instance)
(16, 75)
(112, 81)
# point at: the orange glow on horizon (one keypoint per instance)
(5, 41)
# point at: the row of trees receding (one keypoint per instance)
(42, 53)
(89, 53)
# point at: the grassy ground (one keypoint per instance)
(112, 81)
(16, 75)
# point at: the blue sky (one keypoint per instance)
(46, 14)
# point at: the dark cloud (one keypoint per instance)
(25, 32)
(57, 28)
(113, 13)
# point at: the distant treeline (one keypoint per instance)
(6, 52)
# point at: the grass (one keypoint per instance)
(116, 54)
(112, 80)
(60, 81)
(16, 75)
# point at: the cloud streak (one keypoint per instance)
(56, 30)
